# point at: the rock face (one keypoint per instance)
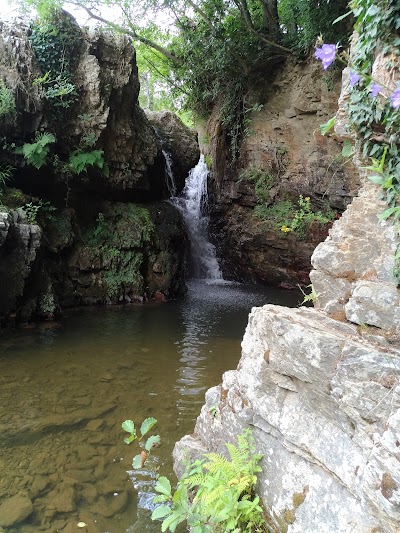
(104, 235)
(283, 142)
(320, 388)
(323, 401)
(19, 243)
(179, 140)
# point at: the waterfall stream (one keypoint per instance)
(192, 203)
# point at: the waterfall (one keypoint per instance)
(169, 175)
(192, 203)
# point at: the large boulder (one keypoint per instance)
(179, 141)
(105, 114)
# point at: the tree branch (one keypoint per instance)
(131, 32)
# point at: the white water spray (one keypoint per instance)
(192, 203)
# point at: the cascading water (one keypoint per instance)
(169, 175)
(192, 203)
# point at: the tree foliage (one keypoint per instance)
(195, 53)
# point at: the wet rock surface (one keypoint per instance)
(180, 141)
(15, 510)
(106, 236)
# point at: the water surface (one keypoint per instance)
(65, 390)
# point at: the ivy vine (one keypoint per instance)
(57, 43)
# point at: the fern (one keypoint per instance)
(36, 153)
(80, 161)
(222, 493)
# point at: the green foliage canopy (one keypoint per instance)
(195, 53)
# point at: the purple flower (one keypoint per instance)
(354, 78)
(375, 89)
(395, 98)
(327, 54)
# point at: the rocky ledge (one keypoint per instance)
(323, 401)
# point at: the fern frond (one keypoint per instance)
(219, 464)
(210, 498)
(195, 480)
(80, 161)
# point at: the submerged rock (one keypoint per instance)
(15, 510)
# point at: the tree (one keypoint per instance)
(212, 50)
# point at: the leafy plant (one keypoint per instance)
(79, 161)
(147, 445)
(263, 182)
(312, 296)
(284, 216)
(216, 494)
(32, 210)
(57, 42)
(6, 172)
(36, 153)
(7, 102)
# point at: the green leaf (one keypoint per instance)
(172, 521)
(130, 439)
(161, 511)
(152, 441)
(129, 426)
(342, 17)
(327, 126)
(389, 212)
(163, 486)
(137, 462)
(347, 150)
(379, 180)
(147, 424)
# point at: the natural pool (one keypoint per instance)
(66, 388)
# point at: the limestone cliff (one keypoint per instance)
(320, 388)
(76, 232)
(284, 142)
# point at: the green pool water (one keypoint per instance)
(66, 388)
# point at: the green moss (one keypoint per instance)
(13, 198)
(263, 182)
(277, 214)
(59, 230)
(46, 304)
(124, 274)
(121, 226)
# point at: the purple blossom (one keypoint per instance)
(395, 98)
(354, 78)
(327, 54)
(375, 89)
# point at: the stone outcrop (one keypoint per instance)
(104, 235)
(320, 388)
(283, 141)
(19, 244)
(179, 141)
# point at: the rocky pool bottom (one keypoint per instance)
(66, 387)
